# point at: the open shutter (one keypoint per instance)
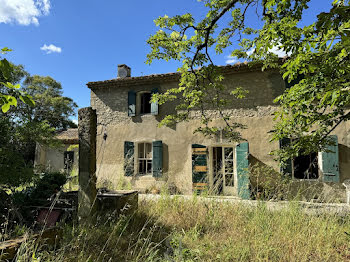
(242, 163)
(199, 167)
(287, 168)
(131, 103)
(330, 162)
(154, 106)
(128, 158)
(157, 159)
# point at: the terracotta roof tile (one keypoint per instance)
(167, 76)
(69, 136)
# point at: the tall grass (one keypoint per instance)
(176, 229)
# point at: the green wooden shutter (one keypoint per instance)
(131, 103)
(287, 169)
(157, 159)
(154, 106)
(128, 158)
(242, 163)
(330, 162)
(199, 167)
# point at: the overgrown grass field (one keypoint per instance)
(176, 229)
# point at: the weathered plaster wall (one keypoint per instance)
(111, 107)
(52, 159)
(255, 111)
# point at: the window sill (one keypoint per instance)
(307, 180)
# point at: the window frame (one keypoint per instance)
(139, 103)
(148, 160)
(292, 164)
(223, 164)
(307, 179)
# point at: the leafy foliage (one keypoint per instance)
(23, 125)
(9, 92)
(319, 53)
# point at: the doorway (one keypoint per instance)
(223, 170)
(218, 179)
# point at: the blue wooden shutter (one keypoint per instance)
(199, 167)
(242, 163)
(157, 159)
(154, 106)
(330, 162)
(131, 103)
(287, 168)
(128, 158)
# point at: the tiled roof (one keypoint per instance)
(69, 136)
(238, 67)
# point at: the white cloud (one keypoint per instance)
(51, 49)
(275, 50)
(23, 12)
(75, 121)
(231, 60)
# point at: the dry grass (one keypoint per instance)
(175, 229)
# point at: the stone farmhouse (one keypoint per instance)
(132, 149)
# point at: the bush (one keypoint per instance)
(268, 184)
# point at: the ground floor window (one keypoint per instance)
(144, 158)
(306, 167)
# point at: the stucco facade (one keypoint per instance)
(116, 126)
(59, 159)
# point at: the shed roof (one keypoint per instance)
(69, 136)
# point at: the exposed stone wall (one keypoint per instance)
(111, 103)
(87, 162)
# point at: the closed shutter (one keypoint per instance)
(330, 162)
(128, 158)
(154, 105)
(199, 167)
(131, 103)
(242, 164)
(287, 168)
(157, 159)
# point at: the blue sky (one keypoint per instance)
(80, 41)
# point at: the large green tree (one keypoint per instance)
(22, 125)
(317, 68)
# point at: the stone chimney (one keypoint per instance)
(123, 71)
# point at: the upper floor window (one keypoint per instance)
(144, 102)
(140, 103)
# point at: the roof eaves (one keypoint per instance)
(168, 77)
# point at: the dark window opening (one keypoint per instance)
(306, 167)
(68, 160)
(145, 103)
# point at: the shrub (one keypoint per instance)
(267, 183)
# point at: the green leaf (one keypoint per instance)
(5, 107)
(27, 100)
(5, 50)
(5, 68)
